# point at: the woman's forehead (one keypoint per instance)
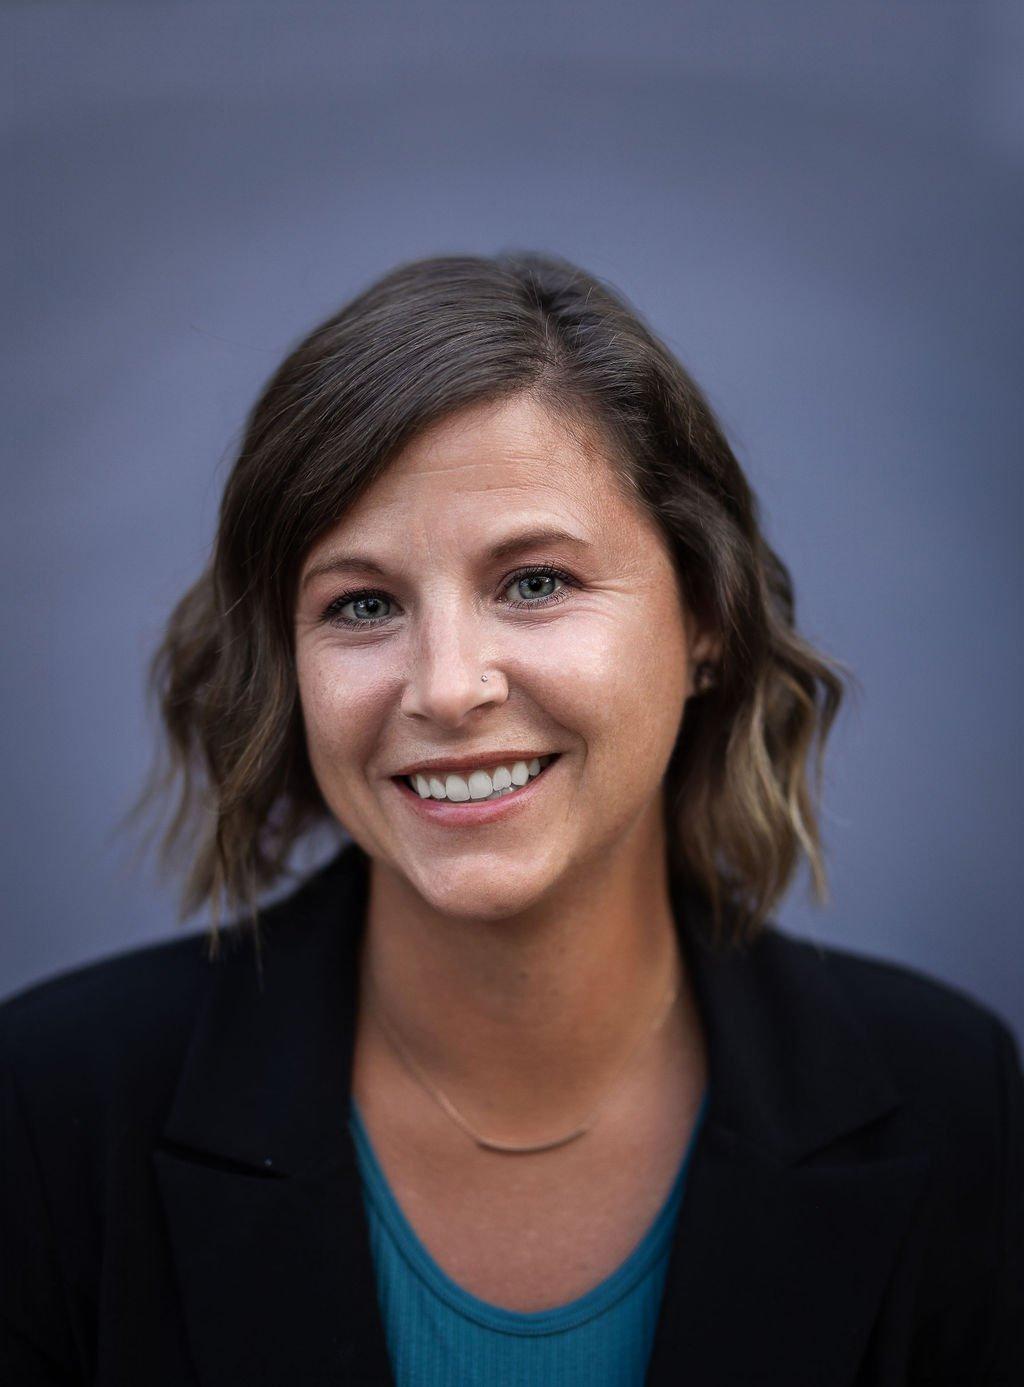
(517, 445)
(485, 474)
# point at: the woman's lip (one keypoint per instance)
(456, 814)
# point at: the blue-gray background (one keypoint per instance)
(818, 205)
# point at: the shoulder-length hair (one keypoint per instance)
(428, 338)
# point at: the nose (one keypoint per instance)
(445, 681)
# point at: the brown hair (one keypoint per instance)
(428, 338)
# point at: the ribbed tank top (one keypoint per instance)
(438, 1334)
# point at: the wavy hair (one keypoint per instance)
(430, 337)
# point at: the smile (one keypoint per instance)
(478, 798)
(478, 785)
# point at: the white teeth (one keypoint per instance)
(456, 788)
(480, 785)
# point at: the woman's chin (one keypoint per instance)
(481, 890)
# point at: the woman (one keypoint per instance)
(523, 1084)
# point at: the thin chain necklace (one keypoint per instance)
(488, 1143)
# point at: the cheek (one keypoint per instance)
(337, 710)
(627, 685)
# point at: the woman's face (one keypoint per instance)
(593, 662)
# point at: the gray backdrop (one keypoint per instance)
(819, 206)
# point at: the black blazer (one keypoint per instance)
(181, 1202)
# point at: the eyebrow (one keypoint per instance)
(505, 548)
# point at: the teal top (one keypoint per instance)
(439, 1334)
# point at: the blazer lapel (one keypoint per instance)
(796, 1202)
(799, 1191)
(256, 1168)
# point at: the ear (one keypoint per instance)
(705, 643)
(705, 649)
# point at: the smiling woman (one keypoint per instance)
(393, 461)
(463, 664)
(524, 1084)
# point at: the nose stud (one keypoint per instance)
(484, 678)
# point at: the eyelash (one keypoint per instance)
(331, 617)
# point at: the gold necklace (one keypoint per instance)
(488, 1143)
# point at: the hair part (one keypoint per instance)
(429, 338)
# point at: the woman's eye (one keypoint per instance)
(371, 605)
(534, 586)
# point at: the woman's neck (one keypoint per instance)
(525, 1021)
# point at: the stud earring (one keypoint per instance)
(706, 676)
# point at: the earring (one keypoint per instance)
(706, 676)
(484, 678)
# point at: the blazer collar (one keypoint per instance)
(258, 1177)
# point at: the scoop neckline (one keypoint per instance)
(555, 1318)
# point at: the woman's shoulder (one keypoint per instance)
(117, 1030)
(954, 1059)
(909, 1008)
(875, 974)
(111, 1030)
(919, 1020)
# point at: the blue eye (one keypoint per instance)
(535, 576)
(373, 598)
